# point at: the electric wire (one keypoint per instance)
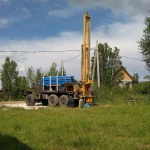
(132, 58)
(43, 51)
(46, 51)
(38, 51)
(70, 59)
(67, 61)
(52, 51)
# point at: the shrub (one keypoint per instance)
(142, 88)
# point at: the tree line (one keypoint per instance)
(14, 86)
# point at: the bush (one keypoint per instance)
(142, 88)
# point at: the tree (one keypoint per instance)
(147, 77)
(31, 77)
(144, 43)
(39, 74)
(109, 63)
(20, 85)
(135, 78)
(9, 74)
(53, 70)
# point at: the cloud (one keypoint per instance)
(4, 1)
(4, 22)
(62, 13)
(125, 36)
(129, 7)
(122, 35)
(26, 14)
(14, 18)
(43, 60)
(41, 1)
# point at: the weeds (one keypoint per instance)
(117, 95)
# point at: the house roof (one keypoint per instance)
(122, 68)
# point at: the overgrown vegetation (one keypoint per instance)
(104, 127)
(139, 92)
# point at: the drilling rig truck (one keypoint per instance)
(63, 90)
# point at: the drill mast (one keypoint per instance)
(86, 48)
(85, 66)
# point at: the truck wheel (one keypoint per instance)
(45, 102)
(30, 100)
(63, 100)
(53, 100)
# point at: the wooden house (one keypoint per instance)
(126, 80)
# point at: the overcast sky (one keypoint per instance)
(48, 25)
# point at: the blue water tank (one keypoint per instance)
(53, 80)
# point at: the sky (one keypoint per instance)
(57, 25)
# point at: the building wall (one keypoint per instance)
(127, 80)
(126, 76)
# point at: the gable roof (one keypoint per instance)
(122, 68)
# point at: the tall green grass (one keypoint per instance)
(59, 128)
(117, 95)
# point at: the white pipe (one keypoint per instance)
(93, 74)
(43, 83)
(98, 73)
(50, 83)
(57, 82)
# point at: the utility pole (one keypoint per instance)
(62, 68)
(98, 73)
(94, 65)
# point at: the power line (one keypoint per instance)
(143, 71)
(67, 61)
(44, 51)
(52, 51)
(70, 59)
(38, 51)
(132, 58)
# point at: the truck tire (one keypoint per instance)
(30, 100)
(63, 100)
(53, 100)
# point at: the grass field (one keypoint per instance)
(109, 127)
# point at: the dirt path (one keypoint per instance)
(21, 104)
